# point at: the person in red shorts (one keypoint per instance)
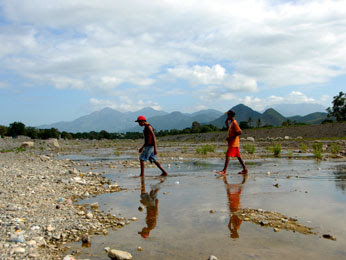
(233, 142)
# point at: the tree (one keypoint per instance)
(249, 121)
(3, 130)
(15, 129)
(32, 132)
(244, 125)
(195, 126)
(287, 123)
(259, 122)
(339, 107)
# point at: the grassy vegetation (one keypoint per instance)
(116, 152)
(317, 150)
(290, 154)
(17, 150)
(275, 149)
(335, 148)
(204, 149)
(303, 147)
(249, 148)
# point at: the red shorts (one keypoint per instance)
(233, 152)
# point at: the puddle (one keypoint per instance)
(191, 213)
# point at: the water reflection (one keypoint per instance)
(151, 203)
(233, 195)
(340, 178)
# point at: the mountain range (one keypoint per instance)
(112, 120)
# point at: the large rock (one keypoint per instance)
(119, 255)
(53, 142)
(27, 144)
(250, 139)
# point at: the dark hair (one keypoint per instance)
(231, 112)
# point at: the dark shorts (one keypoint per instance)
(148, 154)
(233, 152)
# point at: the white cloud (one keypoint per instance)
(259, 104)
(123, 104)
(200, 74)
(100, 45)
(215, 75)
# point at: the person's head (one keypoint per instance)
(141, 120)
(230, 113)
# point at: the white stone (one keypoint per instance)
(119, 255)
(250, 139)
(27, 144)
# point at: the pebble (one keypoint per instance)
(119, 255)
(36, 202)
(328, 236)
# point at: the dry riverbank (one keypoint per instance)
(38, 213)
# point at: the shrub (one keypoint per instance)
(335, 148)
(303, 147)
(317, 150)
(116, 152)
(276, 149)
(249, 148)
(204, 149)
(290, 154)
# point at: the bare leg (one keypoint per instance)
(243, 165)
(164, 173)
(142, 168)
(223, 172)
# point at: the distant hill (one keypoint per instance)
(272, 117)
(301, 109)
(106, 119)
(112, 120)
(314, 118)
(268, 117)
(178, 120)
(243, 113)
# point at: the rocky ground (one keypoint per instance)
(39, 213)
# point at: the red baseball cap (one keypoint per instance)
(141, 118)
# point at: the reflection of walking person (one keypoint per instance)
(233, 143)
(233, 195)
(151, 203)
(148, 150)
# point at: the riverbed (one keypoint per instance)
(192, 213)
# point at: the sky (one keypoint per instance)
(60, 60)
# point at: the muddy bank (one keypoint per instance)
(38, 214)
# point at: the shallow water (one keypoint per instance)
(176, 222)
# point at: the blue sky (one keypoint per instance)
(60, 60)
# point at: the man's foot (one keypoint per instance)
(164, 174)
(245, 171)
(221, 172)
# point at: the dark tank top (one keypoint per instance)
(148, 137)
